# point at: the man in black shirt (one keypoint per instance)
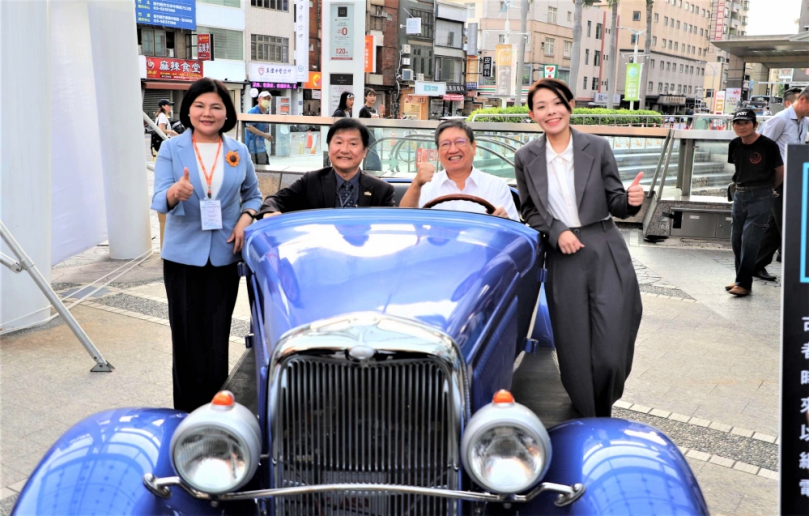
(759, 169)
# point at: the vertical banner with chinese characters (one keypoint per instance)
(302, 40)
(370, 54)
(632, 85)
(204, 47)
(487, 67)
(719, 25)
(794, 459)
(341, 46)
(503, 61)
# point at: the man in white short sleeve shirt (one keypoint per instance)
(456, 151)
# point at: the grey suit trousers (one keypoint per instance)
(595, 309)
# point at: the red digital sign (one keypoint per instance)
(204, 47)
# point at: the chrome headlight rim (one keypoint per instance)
(505, 416)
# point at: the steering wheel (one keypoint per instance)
(462, 197)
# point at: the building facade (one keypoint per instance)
(728, 19)
(676, 66)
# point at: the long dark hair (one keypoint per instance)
(207, 85)
(343, 101)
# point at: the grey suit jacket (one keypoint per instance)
(599, 190)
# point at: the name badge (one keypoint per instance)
(211, 214)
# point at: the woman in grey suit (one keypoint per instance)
(569, 188)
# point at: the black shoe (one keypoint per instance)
(764, 275)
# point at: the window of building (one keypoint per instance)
(448, 34)
(153, 42)
(654, 41)
(689, 90)
(589, 27)
(568, 48)
(687, 6)
(676, 45)
(668, 66)
(448, 69)
(227, 3)
(679, 88)
(227, 44)
(680, 4)
(586, 56)
(635, 15)
(692, 70)
(660, 87)
(678, 25)
(569, 16)
(501, 38)
(470, 11)
(597, 58)
(681, 68)
(584, 86)
(427, 24)
(662, 63)
(423, 60)
(665, 21)
(268, 48)
(278, 5)
(657, 18)
(633, 39)
(664, 43)
(651, 86)
(701, 33)
(549, 46)
(551, 14)
(599, 30)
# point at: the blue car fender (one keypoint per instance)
(97, 467)
(626, 467)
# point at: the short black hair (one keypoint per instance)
(559, 88)
(347, 124)
(207, 85)
(459, 124)
(369, 91)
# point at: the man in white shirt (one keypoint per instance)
(456, 151)
(789, 126)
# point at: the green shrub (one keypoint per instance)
(579, 117)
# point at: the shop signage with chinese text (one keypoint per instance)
(301, 39)
(204, 47)
(370, 54)
(268, 72)
(431, 89)
(453, 98)
(275, 85)
(487, 67)
(471, 85)
(671, 100)
(176, 14)
(173, 69)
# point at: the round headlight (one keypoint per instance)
(216, 448)
(505, 447)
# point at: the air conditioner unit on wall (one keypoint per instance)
(407, 75)
(405, 49)
(419, 76)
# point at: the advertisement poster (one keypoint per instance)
(314, 82)
(719, 103)
(370, 55)
(176, 14)
(301, 40)
(204, 47)
(173, 69)
(632, 85)
(502, 58)
(272, 72)
(341, 46)
(733, 98)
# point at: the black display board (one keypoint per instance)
(794, 452)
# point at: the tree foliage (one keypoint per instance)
(579, 117)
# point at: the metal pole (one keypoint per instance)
(25, 263)
(635, 60)
(521, 51)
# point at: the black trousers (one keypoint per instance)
(771, 241)
(595, 309)
(201, 302)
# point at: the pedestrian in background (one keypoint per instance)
(788, 126)
(759, 170)
(257, 132)
(345, 105)
(162, 121)
(208, 188)
(372, 161)
(569, 190)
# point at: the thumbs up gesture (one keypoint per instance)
(182, 189)
(635, 191)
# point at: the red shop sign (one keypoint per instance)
(204, 47)
(173, 69)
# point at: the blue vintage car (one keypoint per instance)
(384, 344)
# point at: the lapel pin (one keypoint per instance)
(368, 194)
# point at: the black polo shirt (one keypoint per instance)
(755, 163)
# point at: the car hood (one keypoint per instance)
(448, 269)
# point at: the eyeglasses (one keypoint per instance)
(446, 144)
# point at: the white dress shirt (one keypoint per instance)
(562, 201)
(208, 152)
(785, 128)
(479, 184)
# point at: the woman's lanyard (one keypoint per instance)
(208, 177)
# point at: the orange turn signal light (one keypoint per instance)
(224, 399)
(502, 396)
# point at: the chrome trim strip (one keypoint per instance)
(567, 494)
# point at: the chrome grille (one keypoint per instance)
(337, 421)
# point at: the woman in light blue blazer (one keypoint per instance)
(206, 185)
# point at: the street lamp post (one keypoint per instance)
(637, 34)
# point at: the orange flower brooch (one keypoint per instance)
(232, 157)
